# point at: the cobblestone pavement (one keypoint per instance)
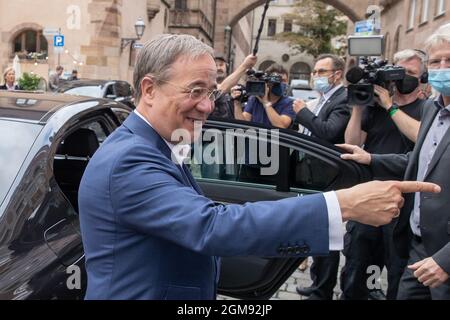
(287, 290)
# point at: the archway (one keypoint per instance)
(300, 70)
(231, 11)
(265, 64)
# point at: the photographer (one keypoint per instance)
(389, 127)
(224, 107)
(274, 108)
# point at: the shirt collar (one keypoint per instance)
(180, 152)
(327, 95)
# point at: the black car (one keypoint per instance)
(46, 143)
(117, 90)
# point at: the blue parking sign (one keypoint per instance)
(58, 41)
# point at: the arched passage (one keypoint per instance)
(231, 11)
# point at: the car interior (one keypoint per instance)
(71, 159)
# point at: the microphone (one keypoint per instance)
(354, 75)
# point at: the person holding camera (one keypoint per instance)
(327, 119)
(274, 108)
(391, 126)
(224, 107)
(422, 231)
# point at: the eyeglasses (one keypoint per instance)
(197, 93)
(436, 63)
(321, 72)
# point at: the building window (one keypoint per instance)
(180, 4)
(272, 29)
(440, 7)
(30, 44)
(412, 13)
(425, 9)
(287, 25)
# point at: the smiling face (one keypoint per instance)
(169, 107)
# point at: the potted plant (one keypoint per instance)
(29, 81)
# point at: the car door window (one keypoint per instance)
(122, 89)
(311, 172)
(109, 92)
(73, 154)
(243, 156)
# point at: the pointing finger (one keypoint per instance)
(417, 186)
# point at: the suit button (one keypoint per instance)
(281, 250)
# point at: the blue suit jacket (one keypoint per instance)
(149, 233)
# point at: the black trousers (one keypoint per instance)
(410, 288)
(324, 272)
(366, 246)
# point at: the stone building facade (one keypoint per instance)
(92, 29)
(408, 23)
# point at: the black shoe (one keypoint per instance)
(305, 291)
(377, 294)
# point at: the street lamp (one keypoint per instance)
(139, 27)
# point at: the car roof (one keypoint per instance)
(33, 106)
(85, 82)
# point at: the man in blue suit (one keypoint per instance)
(149, 233)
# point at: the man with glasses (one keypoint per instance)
(422, 232)
(150, 233)
(326, 119)
(391, 126)
(224, 107)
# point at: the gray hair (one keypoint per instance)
(6, 72)
(408, 54)
(439, 37)
(158, 55)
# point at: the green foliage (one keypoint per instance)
(29, 81)
(319, 23)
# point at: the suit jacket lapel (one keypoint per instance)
(426, 122)
(439, 151)
(138, 126)
(191, 179)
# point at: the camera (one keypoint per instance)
(371, 71)
(256, 82)
(243, 98)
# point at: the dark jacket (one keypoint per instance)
(331, 122)
(16, 87)
(434, 208)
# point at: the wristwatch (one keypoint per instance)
(268, 104)
(393, 109)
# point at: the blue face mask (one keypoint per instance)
(278, 90)
(439, 79)
(321, 84)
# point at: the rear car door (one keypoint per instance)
(304, 165)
